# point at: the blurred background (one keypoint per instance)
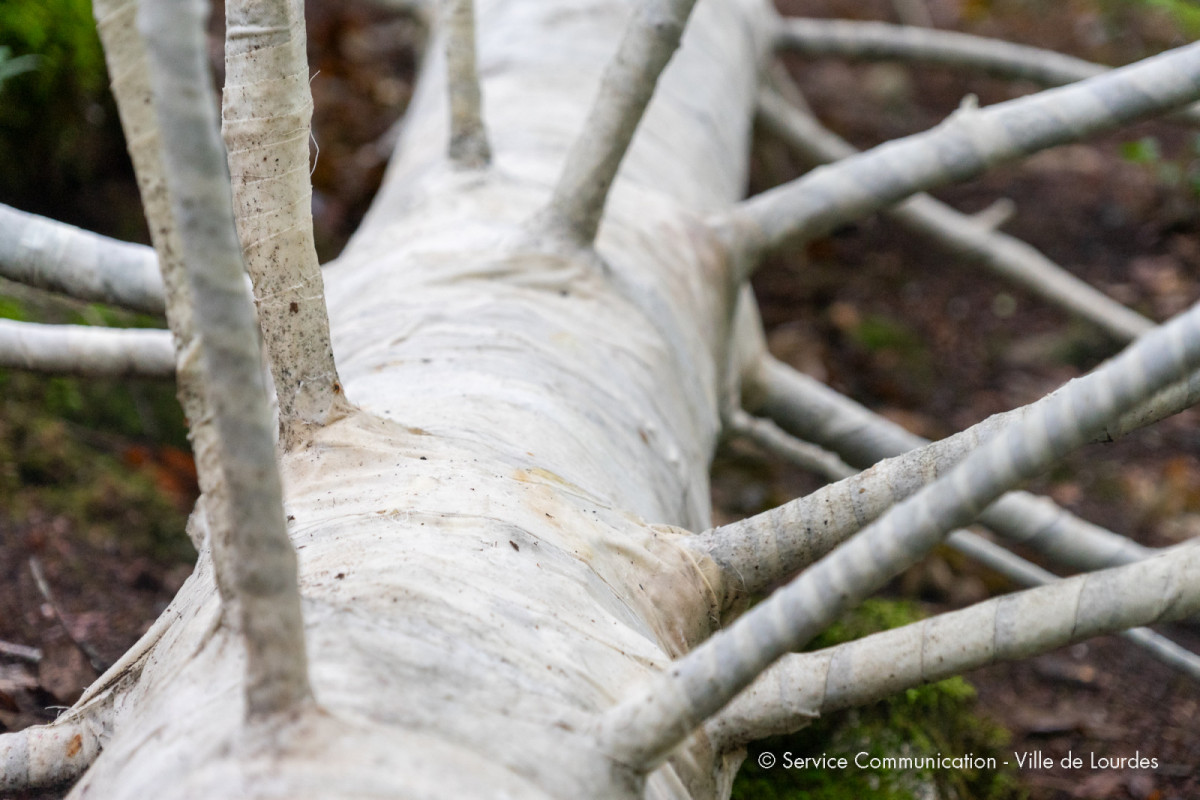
(96, 478)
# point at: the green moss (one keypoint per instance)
(922, 721)
(108, 485)
(89, 449)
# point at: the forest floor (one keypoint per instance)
(97, 498)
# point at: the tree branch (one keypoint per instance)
(267, 108)
(642, 729)
(967, 238)
(970, 141)
(996, 558)
(45, 755)
(799, 687)
(468, 148)
(1026, 573)
(757, 552)
(128, 67)
(254, 560)
(650, 40)
(881, 41)
(61, 258)
(816, 413)
(81, 350)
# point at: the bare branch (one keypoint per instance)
(643, 728)
(814, 412)
(43, 587)
(1026, 573)
(255, 562)
(967, 143)
(964, 236)
(45, 755)
(1019, 625)
(24, 652)
(996, 558)
(125, 55)
(881, 41)
(757, 552)
(81, 350)
(649, 41)
(469, 146)
(267, 108)
(61, 258)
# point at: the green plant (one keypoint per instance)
(925, 721)
(11, 66)
(1185, 13)
(1181, 173)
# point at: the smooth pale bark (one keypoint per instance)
(646, 726)
(649, 41)
(255, 565)
(61, 258)
(879, 41)
(800, 687)
(486, 552)
(481, 578)
(82, 350)
(968, 238)
(967, 143)
(266, 108)
(468, 146)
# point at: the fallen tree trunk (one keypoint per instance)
(478, 565)
(492, 496)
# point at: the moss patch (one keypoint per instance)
(110, 455)
(923, 721)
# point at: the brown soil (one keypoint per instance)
(876, 313)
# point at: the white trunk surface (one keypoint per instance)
(485, 555)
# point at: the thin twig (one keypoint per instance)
(1025, 573)
(969, 142)
(649, 41)
(61, 258)
(83, 350)
(253, 557)
(266, 107)
(877, 41)
(22, 651)
(468, 147)
(43, 587)
(964, 236)
(643, 728)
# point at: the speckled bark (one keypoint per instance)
(487, 549)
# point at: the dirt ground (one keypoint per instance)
(875, 312)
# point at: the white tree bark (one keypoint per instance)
(968, 142)
(266, 107)
(81, 350)
(494, 562)
(505, 391)
(878, 41)
(62, 258)
(468, 146)
(969, 239)
(255, 565)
